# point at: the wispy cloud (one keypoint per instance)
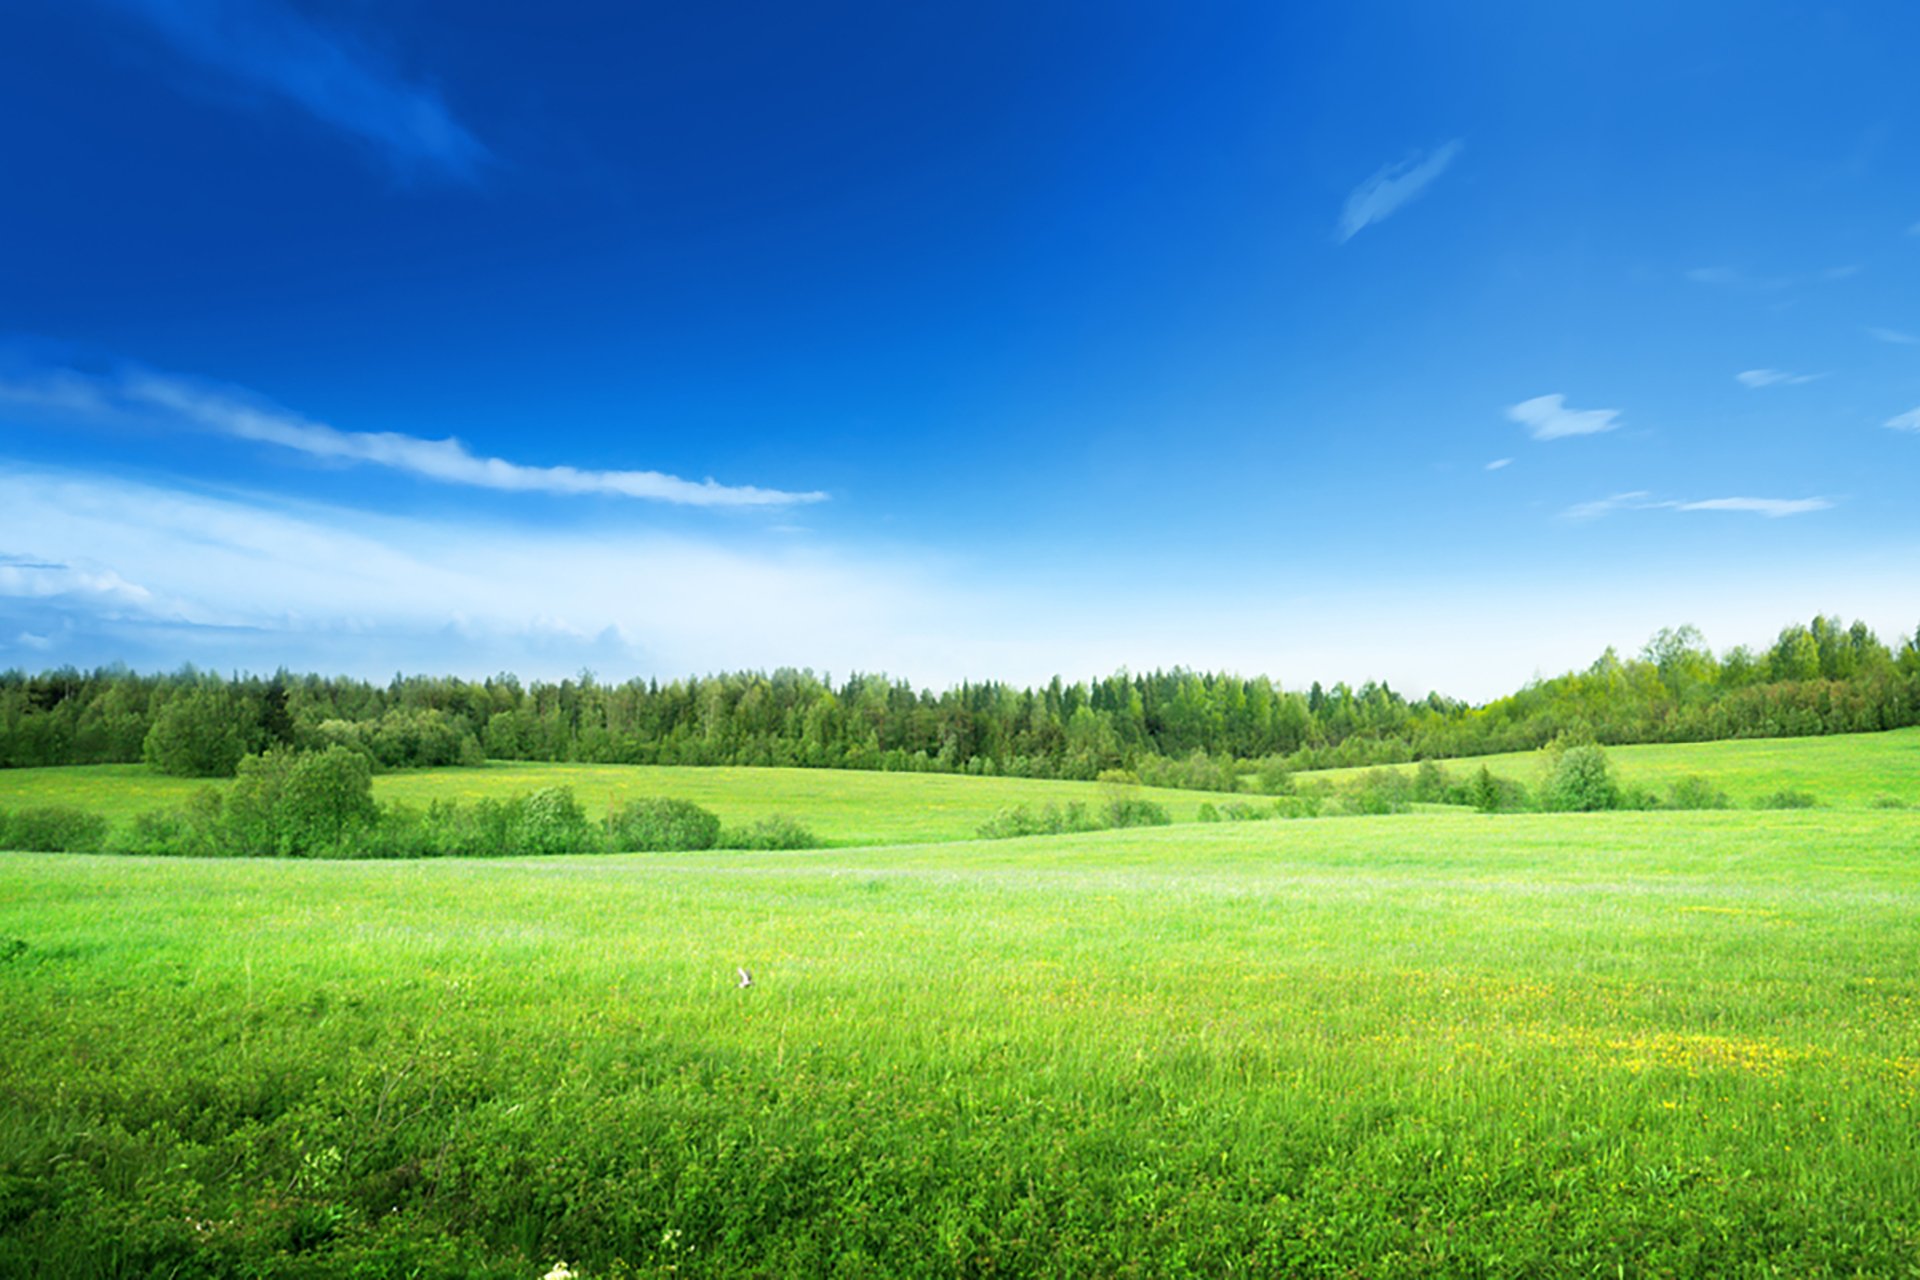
(1548, 418)
(1909, 421)
(273, 46)
(1894, 336)
(1499, 463)
(1640, 500)
(1757, 378)
(1606, 506)
(448, 461)
(1378, 197)
(1771, 508)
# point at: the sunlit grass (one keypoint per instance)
(1426, 1045)
(1843, 770)
(840, 806)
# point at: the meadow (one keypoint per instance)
(1629, 1044)
(1841, 770)
(840, 806)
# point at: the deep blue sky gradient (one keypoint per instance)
(1052, 301)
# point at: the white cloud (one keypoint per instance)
(1548, 418)
(1757, 378)
(1894, 336)
(447, 461)
(1499, 463)
(1378, 197)
(1606, 506)
(1771, 508)
(271, 44)
(1640, 500)
(323, 584)
(1908, 421)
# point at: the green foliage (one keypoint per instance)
(197, 734)
(1048, 820)
(52, 829)
(286, 803)
(1787, 798)
(1579, 780)
(1696, 792)
(1431, 783)
(770, 833)
(1483, 793)
(660, 824)
(1377, 791)
(550, 821)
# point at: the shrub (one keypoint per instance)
(1206, 813)
(1134, 811)
(1888, 802)
(300, 804)
(1377, 791)
(776, 831)
(1696, 792)
(194, 830)
(1787, 799)
(1581, 781)
(660, 824)
(1273, 777)
(1431, 784)
(551, 821)
(53, 829)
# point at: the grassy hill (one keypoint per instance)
(840, 806)
(1421, 1045)
(1843, 770)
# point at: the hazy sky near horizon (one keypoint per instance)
(957, 342)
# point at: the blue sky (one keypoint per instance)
(983, 341)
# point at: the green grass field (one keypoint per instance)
(1843, 771)
(840, 806)
(1435, 1045)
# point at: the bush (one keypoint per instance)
(1377, 791)
(300, 804)
(1888, 802)
(1134, 811)
(1581, 781)
(195, 830)
(1787, 799)
(1431, 784)
(1051, 820)
(53, 829)
(777, 831)
(661, 824)
(1696, 792)
(1306, 805)
(550, 821)
(1206, 813)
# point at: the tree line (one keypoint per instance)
(1176, 727)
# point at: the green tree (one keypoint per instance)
(197, 734)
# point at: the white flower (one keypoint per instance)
(561, 1271)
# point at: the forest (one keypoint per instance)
(1170, 728)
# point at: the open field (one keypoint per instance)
(1842, 770)
(840, 806)
(1623, 1044)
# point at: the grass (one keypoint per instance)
(841, 807)
(1843, 770)
(1429, 1045)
